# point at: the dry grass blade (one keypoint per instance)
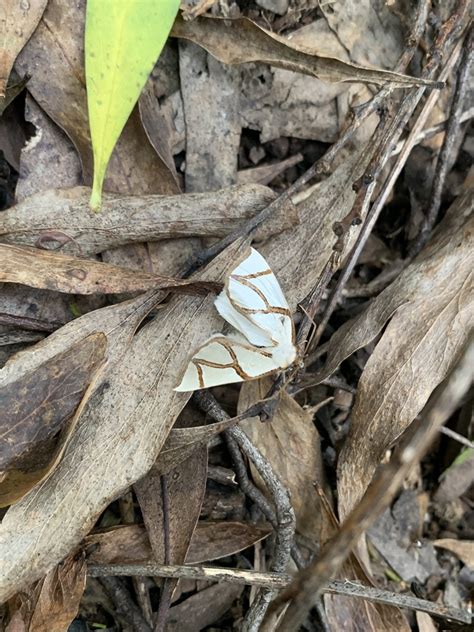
(60, 219)
(51, 271)
(241, 41)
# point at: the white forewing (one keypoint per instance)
(253, 303)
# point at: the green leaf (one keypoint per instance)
(123, 40)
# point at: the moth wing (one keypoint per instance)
(255, 334)
(253, 292)
(225, 360)
(257, 285)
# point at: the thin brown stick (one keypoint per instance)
(310, 582)
(445, 157)
(278, 581)
(168, 585)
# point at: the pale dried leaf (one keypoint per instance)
(431, 309)
(463, 549)
(53, 603)
(240, 40)
(60, 219)
(19, 20)
(291, 444)
(425, 622)
(52, 271)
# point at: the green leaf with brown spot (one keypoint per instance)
(123, 40)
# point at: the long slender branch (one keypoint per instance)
(277, 581)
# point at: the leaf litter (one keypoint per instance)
(116, 466)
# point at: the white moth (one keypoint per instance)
(264, 341)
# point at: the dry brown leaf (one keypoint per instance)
(186, 486)
(119, 434)
(292, 445)
(211, 540)
(54, 57)
(19, 20)
(181, 442)
(60, 219)
(431, 310)
(52, 271)
(157, 127)
(54, 601)
(238, 41)
(463, 549)
(202, 609)
(35, 411)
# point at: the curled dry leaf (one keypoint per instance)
(35, 411)
(53, 603)
(54, 57)
(157, 125)
(60, 219)
(463, 549)
(211, 540)
(122, 428)
(240, 41)
(19, 20)
(53, 271)
(292, 445)
(431, 310)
